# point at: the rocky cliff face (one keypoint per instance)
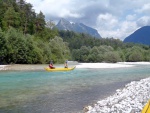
(77, 27)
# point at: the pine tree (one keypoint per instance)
(11, 19)
(40, 22)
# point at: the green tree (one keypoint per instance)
(12, 41)
(28, 17)
(147, 55)
(3, 8)
(93, 54)
(134, 54)
(11, 19)
(112, 57)
(135, 57)
(3, 47)
(40, 22)
(76, 54)
(34, 53)
(91, 58)
(22, 49)
(100, 57)
(84, 52)
(59, 49)
(104, 48)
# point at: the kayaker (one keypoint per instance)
(66, 64)
(51, 65)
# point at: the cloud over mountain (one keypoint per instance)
(112, 18)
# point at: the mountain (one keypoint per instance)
(141, 36)
(77, 27)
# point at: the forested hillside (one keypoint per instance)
(26, 38)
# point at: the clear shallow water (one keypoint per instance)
(62, 92)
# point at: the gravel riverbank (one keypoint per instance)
(130, 99)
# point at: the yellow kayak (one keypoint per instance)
(146, 108)
(59, 69)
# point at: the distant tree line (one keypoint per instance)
(84, 48)
(26, 38)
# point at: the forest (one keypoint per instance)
(27, 38)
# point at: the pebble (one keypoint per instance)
(131, 99)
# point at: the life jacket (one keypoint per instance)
(51, 65)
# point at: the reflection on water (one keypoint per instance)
(58, 92)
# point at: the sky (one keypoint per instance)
(111, 18)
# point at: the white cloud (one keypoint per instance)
(131, 17)
(127, 27)
(34, 2)
(61, 8)
(109, 26)
(106, 21)
(65, 13)
(143, 21)
(145, 9)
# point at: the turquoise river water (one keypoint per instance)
(62, 92)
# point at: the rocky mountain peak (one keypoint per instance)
(63, 24)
